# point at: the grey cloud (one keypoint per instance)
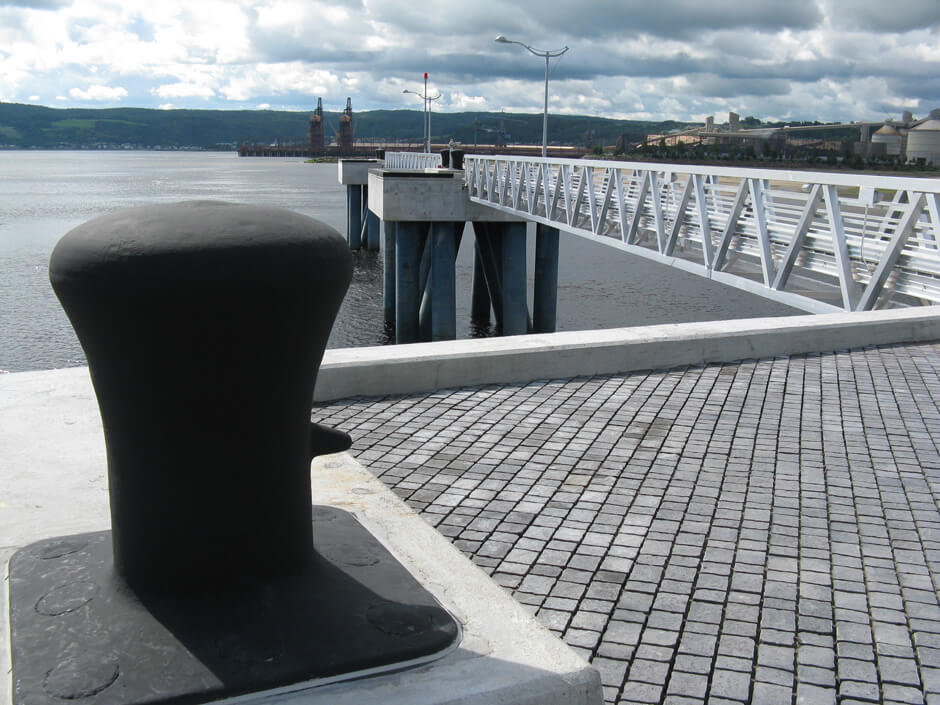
(712, 86)
(37, 4)
(884, 15)
(545, 24)
(677, 18)
(925, 89)
(11, 19)
(749, 45)
(276, 49)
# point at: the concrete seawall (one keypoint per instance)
(420, 367)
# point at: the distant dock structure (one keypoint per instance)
(315, 131)
(316, 146)
(345, 136)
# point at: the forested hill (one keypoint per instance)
(32, 126)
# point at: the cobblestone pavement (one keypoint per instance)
(765, 531)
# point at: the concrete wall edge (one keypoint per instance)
(425, 367)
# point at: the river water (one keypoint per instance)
(45, 194)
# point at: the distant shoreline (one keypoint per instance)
(112, 148)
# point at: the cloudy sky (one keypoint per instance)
(634, 59)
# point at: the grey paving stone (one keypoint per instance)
(902, 694)
(731, 685)
(733, 663)
(807, 694)
(901, 671)
(775, 676)
(770, 520)
(771, 694)
(814, 675)
(867, 691)
(636, 692)
(688, 684)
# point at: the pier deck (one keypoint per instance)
(729, 533)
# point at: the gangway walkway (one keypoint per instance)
(818, 241)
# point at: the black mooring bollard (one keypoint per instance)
(204, 324)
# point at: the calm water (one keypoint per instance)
(45, 194)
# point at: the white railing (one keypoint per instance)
(819, 241)
(412, 160)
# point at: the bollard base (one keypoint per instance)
(78, 632)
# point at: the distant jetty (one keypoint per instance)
(369, 149)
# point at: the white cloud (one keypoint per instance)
(98, 92)
(629, 58)
(183, 90)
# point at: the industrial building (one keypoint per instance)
(923, 140)
(909, 139)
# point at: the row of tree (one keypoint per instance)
(26, 126)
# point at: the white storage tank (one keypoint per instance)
(923, 140)
(890, 138)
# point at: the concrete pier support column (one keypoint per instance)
(513, 266)
(354, 216)
(545, 299)
(373, 231)
(487, 240)
(369, 239)
(424, 282)
(407, 291)
(480, 297)
(389, 274)
(443, 289)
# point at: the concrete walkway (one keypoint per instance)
(765, 531)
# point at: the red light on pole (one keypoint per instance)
(425, 75)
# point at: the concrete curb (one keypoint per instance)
(54, 474)
(422, 367)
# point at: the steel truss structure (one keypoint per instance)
(819, 241)
(412, 160)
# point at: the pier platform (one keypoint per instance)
(764, 531)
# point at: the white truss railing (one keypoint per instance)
(412, 160)
(816, 240)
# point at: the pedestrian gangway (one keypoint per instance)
(818, 241)
(412, 160)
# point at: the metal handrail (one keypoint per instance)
(819, 241)
(412, 160)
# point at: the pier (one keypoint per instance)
(422, 210)
(712, 513)
(727, 526)
(817, 241)
(722, 513)
(763, 531)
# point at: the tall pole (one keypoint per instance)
(547, 54)
(545, 114)
(426, 122)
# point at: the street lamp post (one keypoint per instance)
(547, 54)
(427, 111)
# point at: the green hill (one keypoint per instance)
(37, 127)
